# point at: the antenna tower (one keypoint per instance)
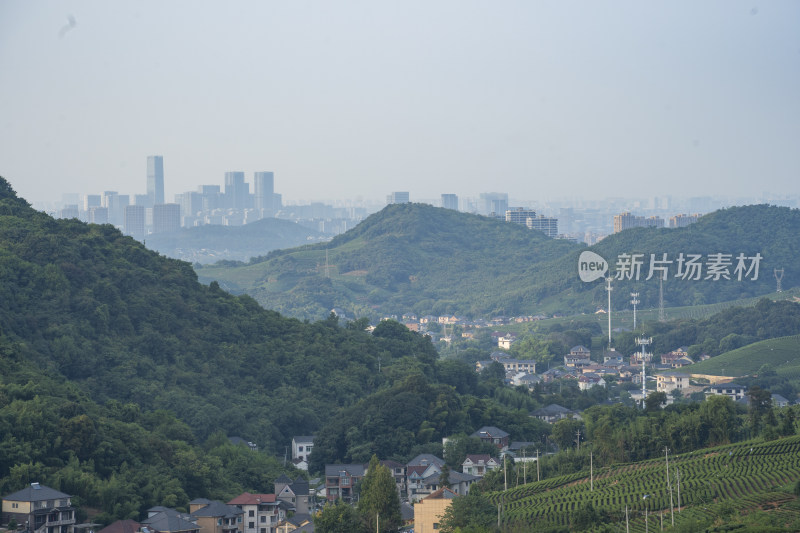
(642, 342)
(778, 278)
(661, 300)
(634, 301)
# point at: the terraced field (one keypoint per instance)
(745, 476)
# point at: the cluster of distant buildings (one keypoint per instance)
(239, 202)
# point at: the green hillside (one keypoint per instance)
(717, 486)
(426, 260)
(214, 243)
(121, 376)
(407, 257)
(781, 355)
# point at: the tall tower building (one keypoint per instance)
(264, 185)
(155, 179)
(236, 190)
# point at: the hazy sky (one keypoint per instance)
(357, 99)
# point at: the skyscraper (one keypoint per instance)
(236, 190)
(450, 201)
(264, 185)
(155, 179)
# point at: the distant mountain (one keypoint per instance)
(212, 243)
(427, 260)
(407, 257)
(749, 231)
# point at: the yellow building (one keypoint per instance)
(429, 511)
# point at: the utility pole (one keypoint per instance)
(537, 465)
(669, 487)
(634, 301)
(578, 440)
(678, 476)
(609, 289)
(591, 471)
(627, 524)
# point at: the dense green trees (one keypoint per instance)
(379, 503)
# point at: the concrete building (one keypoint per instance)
(236, 190)
(547, 225)
(264, 191)
(683, 220)
(166, 218)
(626, 220)
(398, 197)
(429, 511)
(135, 221)
(520, 215)
(450, 201)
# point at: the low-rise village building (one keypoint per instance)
(731, 390)
(40, 509)
(670, 381)
(262, 512)
(429, 511)
(478, 464)
(493, 435)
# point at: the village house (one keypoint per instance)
(731, 390)
(670, 381)
(553, 413)
(165, 520)
(429, 511)
(216, 517)
(262, 512)
(478, 465)
(40, 509)
(493, 435)
(301, 450)
(340, 480)
(295, 494)
(587, 381)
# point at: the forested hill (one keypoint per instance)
(86, 305)
(749, 230)
(427, 260)
(407, 257)
(213, 243)
(121, 376)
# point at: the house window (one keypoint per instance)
(219, 521)
(436, 525)
(251, 513)
(299, 448)
(263, 518)
(263, 530)
(251, 525)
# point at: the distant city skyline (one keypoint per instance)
(346, 100)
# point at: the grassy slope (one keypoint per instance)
(782, 354)
(745, 477)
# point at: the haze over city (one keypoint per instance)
(355, 100)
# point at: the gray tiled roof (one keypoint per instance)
(33, 494)
(219, 509)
